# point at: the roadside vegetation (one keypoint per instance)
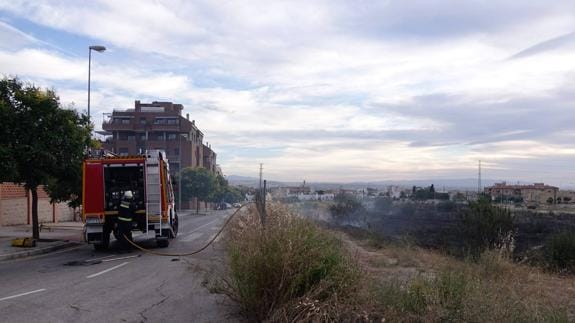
(295, 270)
(277, 269)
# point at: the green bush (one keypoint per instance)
(560, 251)
(288, 259)
(485, 226)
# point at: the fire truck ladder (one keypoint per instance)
(153, 191)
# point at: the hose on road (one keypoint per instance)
(187, 253)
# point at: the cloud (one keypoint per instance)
(551, 44)
(326, 89)
(13, 37)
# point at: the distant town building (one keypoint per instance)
(534, 193)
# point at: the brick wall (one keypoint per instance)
(64, 213)
(15, 206)
(13, 211)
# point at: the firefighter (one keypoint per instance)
(125, 217)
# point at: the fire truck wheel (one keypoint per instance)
(163, 243)
(174, 226)
(105, 241)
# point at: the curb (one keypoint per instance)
(35, 252)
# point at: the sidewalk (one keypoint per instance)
(53, 236)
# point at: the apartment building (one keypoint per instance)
(157, 125)
(537, 192)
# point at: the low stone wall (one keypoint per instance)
(16, 206)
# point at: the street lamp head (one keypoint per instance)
(98, 48)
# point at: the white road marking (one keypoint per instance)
(92, 259)
(23, 294)
(107, 270)
(120, 258)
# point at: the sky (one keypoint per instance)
(329, 90)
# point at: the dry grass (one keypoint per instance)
(294, 271)
(278, 271)
(415, 284)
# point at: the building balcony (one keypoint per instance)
(116, 126)
(160, 127)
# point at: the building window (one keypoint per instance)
(131, 137)
(159, 121)
(123, 136)
(172, 121)
(142, 120)
(122, 120)
(142, 136)
(177, 151)
(172, 136)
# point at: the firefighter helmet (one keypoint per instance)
(128, 195)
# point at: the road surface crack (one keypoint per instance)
(164, 298)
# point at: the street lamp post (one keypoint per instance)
(98, 49)
(179, 172)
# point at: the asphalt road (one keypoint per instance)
(113, 287)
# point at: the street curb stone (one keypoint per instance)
(40, 251)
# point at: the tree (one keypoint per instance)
(198, 183)
(233, 195)
(223, 192)
(42, 143)
(219, 191)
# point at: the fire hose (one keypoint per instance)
(187, 253)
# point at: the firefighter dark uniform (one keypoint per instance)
(125, 217)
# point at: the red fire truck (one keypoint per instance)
(105, 179)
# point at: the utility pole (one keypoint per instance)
(261, 173)
(479, 178)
